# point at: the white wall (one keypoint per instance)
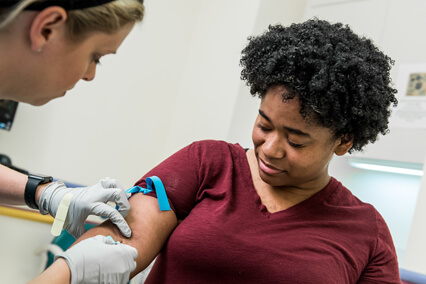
(210, 80)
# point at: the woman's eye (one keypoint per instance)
(263, 128)
(295, 145)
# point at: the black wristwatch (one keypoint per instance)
(31, 187)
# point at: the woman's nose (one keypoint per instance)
(273, 147)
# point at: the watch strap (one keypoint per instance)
(31, 188)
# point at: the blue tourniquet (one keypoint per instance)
(153, 183)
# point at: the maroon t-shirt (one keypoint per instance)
(228, 236)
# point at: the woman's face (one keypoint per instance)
(62, 64)
(290, 151)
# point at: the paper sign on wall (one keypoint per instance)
(411, 109)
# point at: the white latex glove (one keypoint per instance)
(100, 260)
(88, 201)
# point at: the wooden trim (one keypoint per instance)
(26, 214)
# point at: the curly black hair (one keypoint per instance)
(341, 78)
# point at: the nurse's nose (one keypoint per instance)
(90, 73)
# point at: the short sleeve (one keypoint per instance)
(180, 179)
(194, 172)
(383, 264)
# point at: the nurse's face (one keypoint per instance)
(64, 63)
(290, 151)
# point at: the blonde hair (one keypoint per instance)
(106, 18)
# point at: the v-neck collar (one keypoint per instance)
(298, 209)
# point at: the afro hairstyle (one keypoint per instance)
(340, 77)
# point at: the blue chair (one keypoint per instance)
(64, 241)
(408, 276)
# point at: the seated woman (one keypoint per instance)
(273, 214)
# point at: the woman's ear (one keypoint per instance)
(346, 142)
(45, 26)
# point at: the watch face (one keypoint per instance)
(41, 178)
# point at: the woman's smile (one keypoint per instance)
(268, 169)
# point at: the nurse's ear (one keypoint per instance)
(45, 26)
(344, 144)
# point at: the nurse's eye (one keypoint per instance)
(97, 59)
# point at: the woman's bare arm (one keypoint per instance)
(150, 229)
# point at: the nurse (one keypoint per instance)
(46, 47)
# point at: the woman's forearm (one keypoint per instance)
(150, 229)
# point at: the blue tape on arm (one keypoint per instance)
(153, 183)
(161, 192)
(137, 189)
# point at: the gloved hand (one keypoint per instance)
(87, 201)
(100, 260)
